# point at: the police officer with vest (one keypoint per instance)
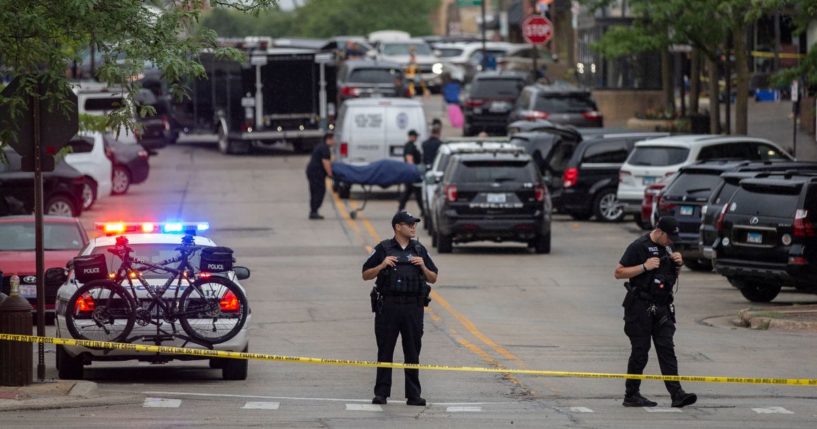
(652, 269)
(403, 270)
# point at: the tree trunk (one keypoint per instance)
(666, 82)
(714, 105)
(742, 84)
(694, 82)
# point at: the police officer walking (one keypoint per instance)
(432, 144)
(411, 155)
(403, 270)
(649, 314)
(319, 167)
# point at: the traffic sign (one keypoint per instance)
(537, 29)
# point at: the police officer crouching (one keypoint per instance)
(649, 314)
(403, 270)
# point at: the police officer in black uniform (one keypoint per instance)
(403, 270)
(319, 167)
(432, 144)
(649, 314)
(411, 155)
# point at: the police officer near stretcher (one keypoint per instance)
(403, 270)
(652, 269)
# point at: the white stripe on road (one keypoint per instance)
(261, 406)
(580, 410)
(662, 410)
(294, 398)
(363, 407)
(463, 409)
(161, 403)
(772, 410)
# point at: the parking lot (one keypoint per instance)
(495, 305)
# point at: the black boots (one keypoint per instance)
(682, 399)
(636, 400)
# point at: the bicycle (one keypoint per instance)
(211, 309)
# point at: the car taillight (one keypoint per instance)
(246, 126)
(623, 174)
(539, 193)
(165, 123)
(474, 103)
(229, 303)
(451, 193)
(84, 304)
(344, 149)
(349, 91)
(143, 154)
(663, 205)
(802, 225)
(108, 152)
(721, 216)
(592, 115)
(570, 177)
(532, 115)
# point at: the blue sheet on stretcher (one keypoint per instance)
(386, 172)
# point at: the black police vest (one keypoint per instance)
(404, 279)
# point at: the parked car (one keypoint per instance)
(366, 78)
(129, 159)
(62, 189)
(495, 197)
(469, 56)
(430, 66)
(767, 235)
(649, 205)
(658, 158)
(88, 156)
(62, 237)
(520, 58)
(488, 102)
(558, 103)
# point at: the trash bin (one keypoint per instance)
(17, 368)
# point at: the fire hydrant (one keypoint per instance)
(17, 368)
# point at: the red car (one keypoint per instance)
(652, 194)
(63, 238)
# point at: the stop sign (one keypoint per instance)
(537, 29)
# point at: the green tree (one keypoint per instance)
(325, 18)
(805, 13)
(39, 40)
(230, 23)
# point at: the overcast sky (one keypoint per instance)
(289, 4)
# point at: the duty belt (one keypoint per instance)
(403, 299)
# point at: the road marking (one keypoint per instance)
(463, 409)
(261, 406)
(293, 398)
(772, 410)
(161, 403)
(662, 410)
(580, 410)
(364, 407)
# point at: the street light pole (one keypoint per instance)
(484, 50)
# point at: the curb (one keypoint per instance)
(83, 389)
(747, 319)
(69, 401)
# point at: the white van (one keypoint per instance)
(373, 129)
(88, 155)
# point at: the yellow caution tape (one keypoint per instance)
(205, 353)
(764, 54)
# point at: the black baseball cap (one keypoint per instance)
(412, 133)
(403, 217)
(669, 225)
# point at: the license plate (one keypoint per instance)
(496, 198)
(649, 180)
(687, 210)
(28, 291)
(500, 107)
(477, 110)
(754, 237)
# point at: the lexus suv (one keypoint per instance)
(497, 197)
(767, 236)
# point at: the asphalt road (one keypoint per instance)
(496, 305)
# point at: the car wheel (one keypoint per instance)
(757, 291)
(606, 206)
(88, 196)
(121, 180)
(445, 243)
(698, 264)
(581, 215)
(60, 205)
(68, 367)
(542, 243)
(235, 369)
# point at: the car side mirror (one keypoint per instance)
(55, 277)
(242, 273)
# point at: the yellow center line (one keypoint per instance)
(344, 214)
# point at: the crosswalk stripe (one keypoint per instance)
(662, 410)
(772, 410)
(463, 409)
(161, 403)
(261, 406)
(363, 407)
(580, 410)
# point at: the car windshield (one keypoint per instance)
(495, 171)
(103, 104)
(693, 185)
(374, 75)
(725, 193)
(553, 103)
(19, 236)
(406, 48)
(449, 52)
(496, 88)
(758, 202)
(658, 156)
(150, 252)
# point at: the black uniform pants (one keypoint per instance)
(404, 319)
(643, 328)
(411, 189)
(317, 191)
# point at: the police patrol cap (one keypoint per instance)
(669, 225)
(412, 133)
(403, 217)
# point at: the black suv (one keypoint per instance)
(62, 189)
(559, 103)
(365, 78)
(488, 101)
(590, 179)
(497, 197)
(767, 234)
(551, 149)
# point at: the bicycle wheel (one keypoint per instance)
(213, 309)
(100, 310)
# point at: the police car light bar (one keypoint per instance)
(116, 228)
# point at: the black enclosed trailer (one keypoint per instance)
(273, 95)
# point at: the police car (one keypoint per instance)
(153, 242)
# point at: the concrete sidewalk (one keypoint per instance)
(55, 394)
